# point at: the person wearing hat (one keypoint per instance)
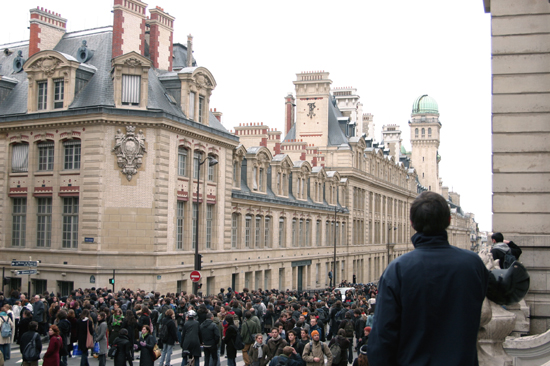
(364, 339)
(191, 339)
(361, 359)
(315, 352)
(437, 288)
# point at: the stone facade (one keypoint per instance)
(521, 131)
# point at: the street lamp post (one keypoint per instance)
(334, 260)
(211, 162)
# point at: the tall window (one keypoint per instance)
(261, 180)
(201, 108)
(279, 183)
(211, 172)
(209, 220)
(247, 229)
(131, 89)
(194, 223)
(70, 222)
(327, 234)
(192, 105)
(19, 222)
(180, 224)
(182, 161)
(267, 232)
(308, 233)
(59, 93)
(42, 95)
(20, 158)
(234, 230)
(416, 132)
(423, 132)
(282, 233)
(301, 233)
(345, 236)
(235, 173)
(72, 155)
(294, 233)
(197, 156)
(258, 230)
(429, 132)
(45, 156)
(44, 222)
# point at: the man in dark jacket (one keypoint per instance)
(210, 335)
(169, 333)
(122, 348)
(28, 337)
(39, 314)
(429, 300)
(191, 339)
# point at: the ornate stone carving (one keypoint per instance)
(203, 81)
(132, 62)
(311, 113)
(47, 65)
(129, 149)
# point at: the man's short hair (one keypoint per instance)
(287, 351)
(498, 237)
(430, 213)
(33, 326)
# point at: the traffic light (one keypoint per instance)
(199, 285)
(198, 261)
(111, 281)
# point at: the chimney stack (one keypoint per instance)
(218, 115)
(161, 46)
(47, 28)
(189, 50)
(289, 112)
(128, 27)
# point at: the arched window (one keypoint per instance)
(235, 230)
(212, 171)
(182, 161)
(416, 132)
(20, 158)
(71, 154)
(423, 132)
(429, 132)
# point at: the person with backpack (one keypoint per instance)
(30, 345)
(315, 352)
(506, 252)
(249, 329)
(349, 330)
(7, 330)
(338, 347)
(210, 335)
(167, 336)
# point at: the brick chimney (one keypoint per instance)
(289, 112)
(47, 28)
(189, 50)
(217, 114)
(161, 46)
(128, 27)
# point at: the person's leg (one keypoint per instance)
(63, 360)
(169, 349)
(207, 352)
(246, 358)
(231, 362)
(163, 355)
(102, 359)
(350, 350)
(184, 359)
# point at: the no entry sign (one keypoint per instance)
(195, 276)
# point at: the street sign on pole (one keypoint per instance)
(24, 263)
(27, 272)
(195, 276)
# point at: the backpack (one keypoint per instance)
(336, 353)
(509, 259)
(238, 342)
(322, 315)
(6, 328)
(323, 345)
(349, 328)
(30, 353)
(163, 332)
(340, 315)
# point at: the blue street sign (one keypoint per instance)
(24, 263)
(27, 272)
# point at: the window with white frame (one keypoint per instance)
(301, 242)
(131, 90)
(44, 222)
(72, 150)
(20, 158)
(192, 105)
(282, 233)
(247, 231)
(209, 225)
(182, 161)
(59, 93)
(294, 233)
(258, 231)
(70, 222)
(261, 180)
(45, 156)
(197, 156)
(236, 177)
(19, 222)
(180, 219)
(267, 232)
(42, 95)
(308, 233)
(201, 109)
(212, 172)
(234, 229)
(194, 224)
(318, 233)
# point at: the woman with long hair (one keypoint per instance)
(71, 317)
(52, 356)
(229, 339)
(361, 359)
(116, 325)
(84, 326)
(131, 325)
(65, 332)
(146, 344)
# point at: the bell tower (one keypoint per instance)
(425, 138)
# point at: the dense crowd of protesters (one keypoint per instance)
(268, 326)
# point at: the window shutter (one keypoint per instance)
(131, 88)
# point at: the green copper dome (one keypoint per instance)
(425, 104)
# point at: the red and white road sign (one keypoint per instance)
(195, 276)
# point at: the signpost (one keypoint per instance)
(24, 263)
(195, 276)
(27, 272)
(30, 264)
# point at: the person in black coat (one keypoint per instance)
(65, 332)
(170, 338)
(146, 345)
(84, 325)
(229, 340)
(344, 344)
(210, 335)
(26, 338)
(26, 319)
(191, 339)
(123, 348)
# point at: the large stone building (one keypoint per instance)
(521, 134)
(102, 136)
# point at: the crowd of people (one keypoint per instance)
(267, 326)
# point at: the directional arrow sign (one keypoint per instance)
(195, 276)
(27, 272)
(24, 263)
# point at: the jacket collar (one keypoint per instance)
(422, 240)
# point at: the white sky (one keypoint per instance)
(391, 51)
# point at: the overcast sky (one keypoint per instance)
(391, 51)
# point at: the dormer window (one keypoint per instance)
(42, 95)
(131, 90)
(192, 105)
(59, 93)
(201, 109)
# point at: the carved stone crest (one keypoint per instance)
(129, 149)
(133, 62)
(47, 65)
(311, 110)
